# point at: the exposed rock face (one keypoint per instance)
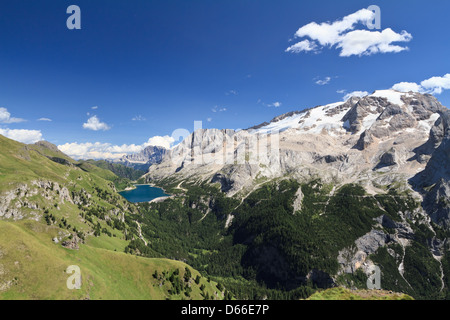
(72, 244)
(144, 159)
(364, 140)
(12, 202)
(297, 205)
(402, 133)
(388, 159)
(434, 181)
(361, 110)
(354, 258)
(48, 145)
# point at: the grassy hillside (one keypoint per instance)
(79, 199)
(119, 169)
(121, 183)
(32, 266)
(56, 212)
(346, 294)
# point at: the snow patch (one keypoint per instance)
(312, 121)
(392, 96)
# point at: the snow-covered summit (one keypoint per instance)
(355, 115)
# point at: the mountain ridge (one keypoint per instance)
(371, 126)
(358, 160)
(55, 214)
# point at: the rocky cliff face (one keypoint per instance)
(144, 159)
(394, 145)
(373, 140)
(434, 181)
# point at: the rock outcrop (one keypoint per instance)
(337, 142)
(144, 159)
(434, 181)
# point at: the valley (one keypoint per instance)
(355, 185)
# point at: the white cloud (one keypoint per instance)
(218, 109)
(407, 87)
(436, 85)
(108, 151)
(355, 94)
(94, 108)
(209, 119)
(342, 35)
(433, 85)
(305, 45)
(231, 92)
(5, 117)
(22, 135)
(323, 81)
(341, 91)
(44, 119)
(330, 33)
(160, 141)
(138, 118)
(275, 104)
(364, 42)
(94, 124)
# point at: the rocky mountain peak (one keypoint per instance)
(47, 145)
(144, 159)
(374, 141)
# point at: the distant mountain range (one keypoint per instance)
(389, 148)
(144, 159)
(317, 198)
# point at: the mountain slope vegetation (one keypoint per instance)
(55, 214)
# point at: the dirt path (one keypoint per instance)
(180, 187)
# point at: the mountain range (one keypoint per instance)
(374, 141)
(312, 199)
(144, 159)
(375, 166)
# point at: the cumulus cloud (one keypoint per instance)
(109, 151)
(436, 85)
(407, 87)
(22, 135)
(303, 46)
(364, 42)
(359, 94)
(5, 117)
(433, 85)
(160, 141)
(323, 82)
(94, 124)
(341, 34)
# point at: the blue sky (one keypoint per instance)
(144, 68)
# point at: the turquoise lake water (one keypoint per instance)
(143, 193)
